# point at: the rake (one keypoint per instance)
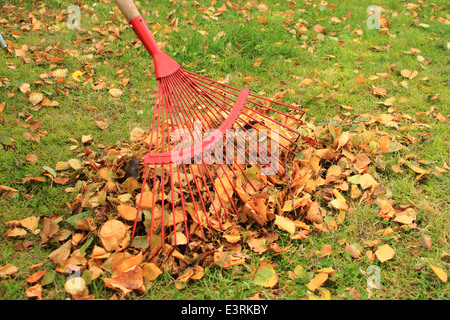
(204, 137)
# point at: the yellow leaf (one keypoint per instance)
(406, 73)
(285, 224)
(266, 276)
(317, 281)
(324, 294)
(76, 75)
(115, 93)
(36, 97)
(367, 181)
(261, 20)
(384, 253)
(439, 272)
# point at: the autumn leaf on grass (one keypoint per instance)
(324, 294)
(115, 93)
(266, 276)
(60, 255)
(317, 281)
(36, 97)
(8, 270)
(30, 223)
(132, 279)
(384, 253)
(34, 291)
(114, 235)
(379, 91)
(439, 272)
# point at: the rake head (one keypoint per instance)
(208, 145)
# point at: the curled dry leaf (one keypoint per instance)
(60, 255)
(114, 235)
(8, 270)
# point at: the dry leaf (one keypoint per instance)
(115, 93)
(425, 241)
(384, 253)
(285, 224)
(114, 235)
(318, 280)
(8, 270)
(442, 275)
(266, 276)
(127, 212)
(30, 223)
(60, 255)
(36, 97)
(34, 291)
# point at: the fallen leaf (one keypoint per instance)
(316, 282)
(34, 291)
(442, 275)
(425, 241)
(114, 235)
(266, 276)
(379, 91)
(115, 93)
(60, 255)
(285, 224)
(127, 212)
(8, 270)
(384, 253)
(36, 97)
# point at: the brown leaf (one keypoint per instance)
(425, 241)
(36, 97)
(114, 235)
(35, 277)
(442, 275)
(34, 291)
(132, 279)
(285, 224)
(379, 91)
(60, 255)
(8, 270)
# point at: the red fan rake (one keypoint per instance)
(203, 138)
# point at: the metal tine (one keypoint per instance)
(201, 83)
(210, 176)
(193, 173)
(210, 98)
(220, 86)
(195, 95)
(224, 171)
(174, 121)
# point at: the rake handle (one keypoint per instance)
(128, 8)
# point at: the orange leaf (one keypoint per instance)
(317, 281)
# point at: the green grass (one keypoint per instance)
(286, 59)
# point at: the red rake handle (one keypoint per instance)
(164, 65)
(199, 148)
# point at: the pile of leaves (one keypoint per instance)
(338, 167)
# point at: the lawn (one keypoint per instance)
(380, 81)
